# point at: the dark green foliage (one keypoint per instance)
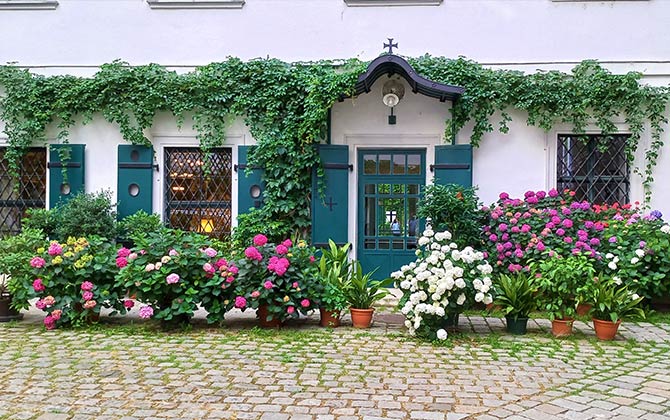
(454, 208)
(138, 225)
(41, 219)
(15, 252)
(516, 295)
(258, 221)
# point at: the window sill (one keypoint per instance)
(28, 4)
(196, 4)
(357, 3)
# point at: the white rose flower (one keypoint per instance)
(436, 296)
(440, 236)
(449, 283)
(634, 260)
(487, 281)
(639, 253)
(615, 260)
(453, 245)
(665, 228)
(461, 299)
(442, 334)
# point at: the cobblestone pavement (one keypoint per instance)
(129, 370)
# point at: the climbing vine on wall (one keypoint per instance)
(285, 106)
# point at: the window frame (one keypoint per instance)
(28, 4)
(196, 4)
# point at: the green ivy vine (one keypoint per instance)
(285, 106)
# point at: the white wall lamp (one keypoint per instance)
(392, 92)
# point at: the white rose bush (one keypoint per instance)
(442, 281)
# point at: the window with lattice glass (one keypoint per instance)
(196, 199)
(594, 166)
(17, 195)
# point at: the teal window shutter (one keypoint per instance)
(135, 180)
(62, 188)
(453, 164)
(330, 210)
(250, 183)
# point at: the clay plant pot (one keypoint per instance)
(361, 318)
(329, 319)
(583, 309)
(264, 322)
(606, 330)
(7, 313)
(562, 327)
(516, 326)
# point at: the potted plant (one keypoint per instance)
(612, 302)
(559, 278)
(7, 311)
(334, 269)
(516, 297)
(361, 293)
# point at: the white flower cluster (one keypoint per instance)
(441, 277)
(665, 228)
(614, 260)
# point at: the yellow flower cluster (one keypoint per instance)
(83, 260)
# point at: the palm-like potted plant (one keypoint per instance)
(334, 269)
(517, 297)
(361, 293)
(612, 302)
(559, 278)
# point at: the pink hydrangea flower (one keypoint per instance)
(49, 322)
(295, 285)
(38, 286)
(128, 304)
(37, 262)
(208, 268)
(121, 262)
(172, 278)
(55, 249)
(230, 279)
(253, 254)
(311, 258)
(172, 253)
(123, 252)
(268, 285)
(281, 249)
(90, 304)
(220, 263)
(504, 196)
(149, 267)
(255, 294)
(132, 256)
(240, 302)
(260, 240)
(87, 286)
(304, 303)
(49, 301)
(146, 312)
(210, 252)
(40, 304)
(287, 243)
(233, 269)
(290, 310)
(87, 295)
(56, 314)
(553, 193)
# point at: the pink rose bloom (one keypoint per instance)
(146, 312)
(121, 262)
(260, 240)
(255, 294)
(268, 285)
(304, 303)
(56, 314)
(295, 285)
(37, 262)
(49, 301)
(87, 286)
(149, 267)
(49, 322)
(240, 302)
(281, 250)
(172, 278)
(90, 304)
(210, 252)
(132, 256)
(123, 252)
(87, 295)
(55, 249)
(287, 243)
(172, 253)
(38, 286)
(290, 310)
(128, 304)
(40, 304)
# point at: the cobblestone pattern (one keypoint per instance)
(129, 372)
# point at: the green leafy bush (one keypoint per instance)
(138, 225)
(516, 295)
(249, 224)
(15, 252)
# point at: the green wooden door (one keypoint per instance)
(330, 196)
(390, 182)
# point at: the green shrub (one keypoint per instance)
(87, 215)
(249, 224)
(41, 219)
(15, 252)
(139, 225)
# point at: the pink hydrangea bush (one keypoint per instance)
(171, 272)
(279, 276)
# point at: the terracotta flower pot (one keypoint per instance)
(262, 313)
(562, 327)
(606, 330)
(329, 318)
(361, 318)
(583, 309)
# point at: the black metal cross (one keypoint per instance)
(330, 203)
(390, 45)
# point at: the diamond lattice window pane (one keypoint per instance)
(18, 195)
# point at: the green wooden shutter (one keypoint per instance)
(61, 189)
(135, 180)
(250, 184)
(330, 210)
(453, 164)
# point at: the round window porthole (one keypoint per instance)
(134, 155)
(255, 191)
(133, 190)
(65, 189)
